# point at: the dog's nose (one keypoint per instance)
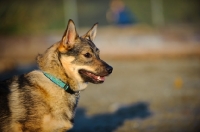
(109, 69)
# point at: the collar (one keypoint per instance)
(60, 83)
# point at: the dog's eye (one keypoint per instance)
(87, 55)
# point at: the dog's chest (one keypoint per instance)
(64, 105)
(61, 114)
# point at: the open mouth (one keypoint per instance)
(91, 77)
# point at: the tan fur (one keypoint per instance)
(53, 96)
(72, 71)
(49, 124)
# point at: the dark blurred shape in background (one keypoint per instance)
(119, 13)
(153, 46)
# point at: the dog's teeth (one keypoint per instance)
(98, 77)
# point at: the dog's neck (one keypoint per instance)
(60, 83)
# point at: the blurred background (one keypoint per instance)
(153, 46)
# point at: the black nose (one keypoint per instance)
(109, 69)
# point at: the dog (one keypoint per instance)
(45, 100)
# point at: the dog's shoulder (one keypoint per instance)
(38, 80)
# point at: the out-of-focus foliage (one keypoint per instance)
(175, 11)
(23, 16)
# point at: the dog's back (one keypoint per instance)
(27, 104)
(4, 106)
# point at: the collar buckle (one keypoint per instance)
(65, 87)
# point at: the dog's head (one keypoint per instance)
(80, 57)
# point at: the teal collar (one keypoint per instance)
(57, 81)
(61, 84)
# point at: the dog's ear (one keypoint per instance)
(91, 34)
(69, 37)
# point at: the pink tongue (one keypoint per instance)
(99, 78)
(102, 78)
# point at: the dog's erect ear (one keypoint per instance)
(69, 37)
(91, 33)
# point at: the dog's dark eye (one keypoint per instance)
(87, 55)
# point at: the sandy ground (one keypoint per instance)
(154, 87)
(143, 96)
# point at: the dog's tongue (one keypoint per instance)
(99, 78)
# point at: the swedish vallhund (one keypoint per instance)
(45, 100)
